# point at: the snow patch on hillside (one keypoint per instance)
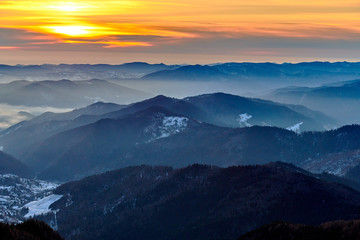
(243, 118)
(164, 126)
(41, 206)
(295, 128)
(172, 125)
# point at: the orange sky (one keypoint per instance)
(178, 31)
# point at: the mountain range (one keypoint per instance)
(305, 70)
(166, 203)
(218, 109)
(286, 73)
(79, 71)
(106, 136)
(129, 165)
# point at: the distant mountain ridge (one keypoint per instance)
(79, 71)
(67, 94)
(339, 100)
(188, 73)
(307, 72)
(319, 71)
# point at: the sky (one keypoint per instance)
(178, 31)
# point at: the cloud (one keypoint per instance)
(10, 115)
(234, 27)
(20, 38)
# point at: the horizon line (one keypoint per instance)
(179, 64)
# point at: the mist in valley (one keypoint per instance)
(59, 88)
(12, 114)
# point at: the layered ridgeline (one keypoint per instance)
(268, 73)
(235, 111)
(79, 71)
(340, 100)
(160, 130)
(66, 93)
(276, 73)
(197, 202)
(158, 137)
(218, 109)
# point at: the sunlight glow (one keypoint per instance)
(8, 48)
(73, 31)
(67, 7)
(164, 23)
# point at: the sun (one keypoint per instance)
(72, 31)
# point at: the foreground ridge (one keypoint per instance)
(197, 202)
(337, 230)
(29, 230)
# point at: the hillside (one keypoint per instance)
(227, 110)
(337, 230)
(47, 124)
(197, 202)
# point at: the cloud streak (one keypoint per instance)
(162, 25)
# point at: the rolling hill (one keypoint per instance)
(45, 125)
(197, 202)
